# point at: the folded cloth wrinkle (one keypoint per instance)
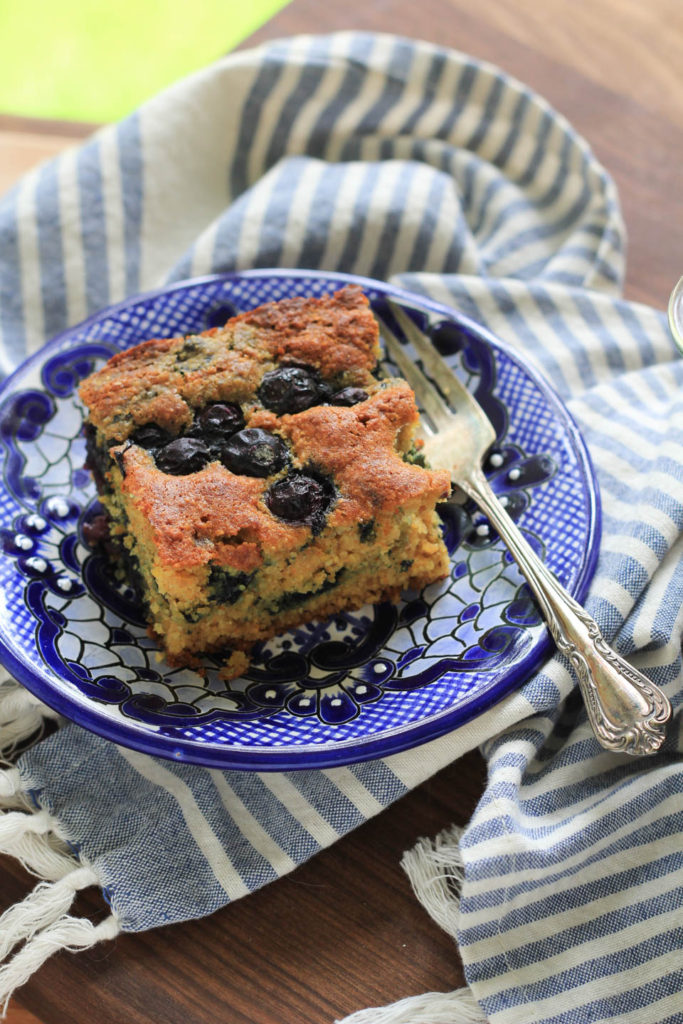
(161, 179)
(396, 159)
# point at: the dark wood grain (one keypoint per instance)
(344, 931)
(341, 932)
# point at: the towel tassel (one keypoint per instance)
(22, 716)
(67, 933)
(457, 1007)
(41, 921)
(436, 872)
(40, 924)
(29, 834)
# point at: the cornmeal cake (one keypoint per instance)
(259, 475)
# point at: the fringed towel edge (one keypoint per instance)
(41, 921)
(457, 1007)
(436, 872)
(22, 716)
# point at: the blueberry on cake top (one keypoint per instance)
(259, 475)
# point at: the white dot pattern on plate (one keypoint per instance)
(426, 661)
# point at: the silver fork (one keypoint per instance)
(628, 713)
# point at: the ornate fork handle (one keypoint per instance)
(628, 712)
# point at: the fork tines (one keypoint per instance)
(428, 395)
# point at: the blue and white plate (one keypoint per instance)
(365, 684)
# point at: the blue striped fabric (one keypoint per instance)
(404, 161)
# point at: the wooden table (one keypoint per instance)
(344, 931)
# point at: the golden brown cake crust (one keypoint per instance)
(222, 518)
(162, 380)
(230, 550)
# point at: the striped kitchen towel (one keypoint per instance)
(403, 161)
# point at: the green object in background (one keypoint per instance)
(94, 60)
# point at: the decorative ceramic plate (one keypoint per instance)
(365, 684)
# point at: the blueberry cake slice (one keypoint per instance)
(259, 475)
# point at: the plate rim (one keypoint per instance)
(310, 756)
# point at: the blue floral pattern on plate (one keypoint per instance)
(364, 684)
